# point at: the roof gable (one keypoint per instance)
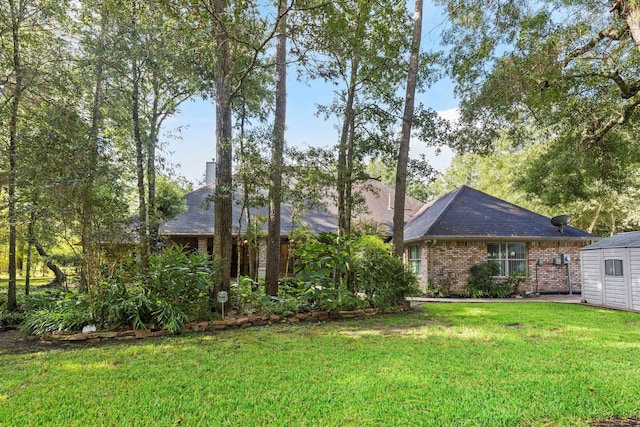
(466, 212)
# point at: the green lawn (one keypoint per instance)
(34, 282)
(443, 364)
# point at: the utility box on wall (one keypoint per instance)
(566, 259)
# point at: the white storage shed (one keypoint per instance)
(611, 272)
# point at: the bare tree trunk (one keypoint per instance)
(30, 237)
(275, 190)
(89, 264)
(344, 173)
(223, 199)
(60, 278)
(143, 230)
(594, 221)
(405, 136)
(13, 153)
(154, 222)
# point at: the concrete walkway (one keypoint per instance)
(560, 298)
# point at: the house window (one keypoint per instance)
(613, 267)
(511, 257)
(415, 259)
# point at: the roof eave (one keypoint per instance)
(504, 238)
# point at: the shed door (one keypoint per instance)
(616, 291)
(592, 265)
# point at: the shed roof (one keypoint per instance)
(469, 213)
(629, 239)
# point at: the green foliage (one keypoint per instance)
(174, 291)
(56, 312)
(315, 297)
(295, 296)
(279, 305)
(10, 318)
(170, 316)
(538, 76)
(169, 197)
(179, 279)
(383, 278)
(324, 261)
(326, 265)
(483, 283)
(122, 304)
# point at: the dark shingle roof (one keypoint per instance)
(630, 239)
(198, 220)
(378, 204)
(469, 213)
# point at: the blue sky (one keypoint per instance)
(196, 118)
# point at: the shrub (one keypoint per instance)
(282, 306)
(123, 304)
(378, 274)
(316, 297)
(290, 286)
(325, 261)
(10, 318)
(56, 312)
(177, 285)
(174, 291)
(248, 291)
(482, 282)
(179, 279)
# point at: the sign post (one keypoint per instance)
(223, 297)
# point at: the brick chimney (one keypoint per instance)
(210, 173)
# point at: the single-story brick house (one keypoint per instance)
(193, 229)
(467, 227)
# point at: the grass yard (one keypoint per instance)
(34, 282)
(443, 364)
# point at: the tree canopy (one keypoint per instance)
(559, 75)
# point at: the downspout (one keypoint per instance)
(569, 276)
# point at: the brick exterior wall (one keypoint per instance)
(262, 257)
(202, 245)
(445, 264)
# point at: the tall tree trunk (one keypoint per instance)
(223, 199)
(344, 174)
(246, 208)
(405, 136)
(153, 218)
(277, 152)
(90, 261)
(143, 231)
(30, 237)
(13, 153)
